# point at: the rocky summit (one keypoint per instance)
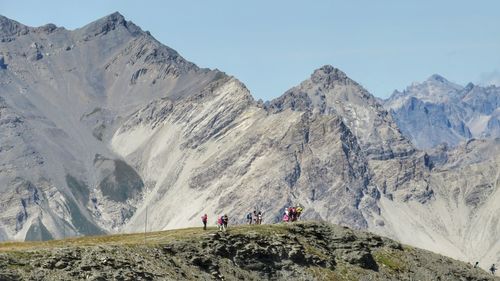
(103, 126)
(300, 251)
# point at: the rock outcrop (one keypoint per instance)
(305, 251)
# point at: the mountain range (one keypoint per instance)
(103, 125)
(438, 112)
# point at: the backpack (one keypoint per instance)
(249, 216)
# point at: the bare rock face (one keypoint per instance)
(9, 29)
(108, 24)
(237, 159)
(469, 180)
(107, 125)
(330, 92)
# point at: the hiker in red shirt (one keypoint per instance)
(204, 219)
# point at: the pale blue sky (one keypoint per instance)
(274, 45)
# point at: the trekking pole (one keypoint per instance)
(64, 225)
(145, 225)
(64, 218)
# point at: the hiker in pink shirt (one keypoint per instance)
(204, 219)
(219, 222)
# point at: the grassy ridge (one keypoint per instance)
(152, 238)
(297, 251)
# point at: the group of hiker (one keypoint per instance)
(493, 268)
(292, 214)
(255, 217)
(221, 222)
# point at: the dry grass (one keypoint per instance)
(151, 238)
(390, 260)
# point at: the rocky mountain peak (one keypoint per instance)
(330, 91)
(437, 82)
(114, 19)
(435, 89)
(437, 110)
(111, 22)
(469, 87)
(48, 28)
(9, 27)
(437, 78)
(328, 74)
(313, 92)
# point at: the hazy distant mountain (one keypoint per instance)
(100, 124)
(437, 111)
